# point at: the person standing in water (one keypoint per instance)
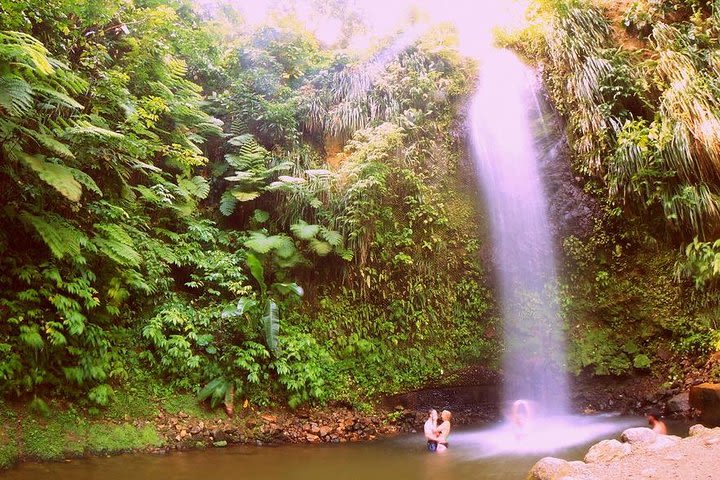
(443, 430)
(430, 430)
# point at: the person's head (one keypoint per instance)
(433, 414)
(653, 418)
(446, 415)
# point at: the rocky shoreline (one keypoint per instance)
(328, 425)
(641, 453)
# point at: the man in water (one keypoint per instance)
(656, 424)
(430, 430)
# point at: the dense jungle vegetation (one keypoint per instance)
(245, 215)
(251, 216)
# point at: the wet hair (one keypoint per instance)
(654, 414)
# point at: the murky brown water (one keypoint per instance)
(397, 458)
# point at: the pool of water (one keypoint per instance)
(481, 453)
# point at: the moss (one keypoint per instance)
(9, 451)
(178, 402)
(66, 433)
(101, 439)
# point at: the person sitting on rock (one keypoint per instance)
(443, 430)
(657, 425)
(430, 430)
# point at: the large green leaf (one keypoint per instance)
(58, 176)
(271, 325)
(304, 231)
(215, 390)
(320, 247)
(257, 270)
(289, 288)
(260, 243)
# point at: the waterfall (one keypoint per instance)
(503, 115)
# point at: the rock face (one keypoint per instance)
(706, 398)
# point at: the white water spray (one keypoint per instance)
(503, 147)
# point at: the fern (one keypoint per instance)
(115, 243)
(227, 203)
(58, 176)
(62, 238)
(15, 95)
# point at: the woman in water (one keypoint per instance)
(443, 431)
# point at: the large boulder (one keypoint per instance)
(639, 436)
(680, 403)
(706, 398)
(607, 451)
(550, 468)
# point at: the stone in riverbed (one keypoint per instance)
(607, 451)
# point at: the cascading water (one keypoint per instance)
(506, 123)
(503, 112)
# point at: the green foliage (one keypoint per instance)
(127, 125)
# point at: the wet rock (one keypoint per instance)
(679, 404)
(639, 436)
(607, 451)
(220, 443)
(706, 398)
(325, 431)
(312, 438)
